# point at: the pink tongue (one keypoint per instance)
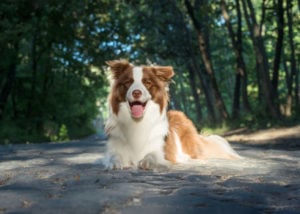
(137, 111)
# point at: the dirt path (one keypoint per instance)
(273, 134)
(63, 178)
(281, 138)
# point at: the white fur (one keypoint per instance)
(181, 157)
(224, 145)
(138, 84)
(136, 142)
(140, 142)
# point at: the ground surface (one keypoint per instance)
(62, 178)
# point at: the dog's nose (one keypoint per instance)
(136, 94)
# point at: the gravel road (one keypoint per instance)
(64, 178)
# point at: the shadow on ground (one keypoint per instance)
(63, 178)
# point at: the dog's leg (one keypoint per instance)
(113, 161)
(153, 160)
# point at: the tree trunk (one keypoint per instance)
(240, 61)
(207, 89)
(33, 77)
(261, 57)
(241, 75)
(9, 82)
(286, 109)
(194, 88)
(293, 74)
(205, 85)
(7, 88)
(207, 62)
(278, 51)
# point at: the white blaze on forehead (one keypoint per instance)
(138, 85)
(137, 74)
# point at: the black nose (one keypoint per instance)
(136, 94)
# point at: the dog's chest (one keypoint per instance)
(141, 136)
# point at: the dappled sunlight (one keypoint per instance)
(270, 134)
(245, 166)
(16, 164)
(236, 66)
(86, 158)
(64, 176)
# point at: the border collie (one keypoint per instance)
(141, 132)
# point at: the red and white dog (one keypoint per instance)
(141, 132)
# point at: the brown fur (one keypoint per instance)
(157, 86)
(122, 76)
(187, 134)
(193, 144)
(156, 80)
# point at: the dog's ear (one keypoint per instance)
(117, 67)
(165, 73)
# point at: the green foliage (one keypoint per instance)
(56, 82)
(60, 135)
(53, 80)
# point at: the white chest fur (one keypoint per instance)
(131, 140)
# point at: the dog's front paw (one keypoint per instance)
(154, 161)
(148, 162)
(113, 162)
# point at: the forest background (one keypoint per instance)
(236, 61)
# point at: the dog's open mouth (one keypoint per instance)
(137, 109)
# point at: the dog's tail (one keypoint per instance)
(215, 146)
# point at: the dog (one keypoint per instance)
(141, 132)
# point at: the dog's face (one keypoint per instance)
(137, 85)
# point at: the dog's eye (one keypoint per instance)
(128, 82)
(147, 83)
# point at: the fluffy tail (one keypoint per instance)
(217, 147)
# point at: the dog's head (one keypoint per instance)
(137, 85)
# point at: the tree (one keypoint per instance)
(46, 80)
(263, 76)
(292, 76)
(241, 73)
(52, 70)
(278, 51)
(202, 39)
